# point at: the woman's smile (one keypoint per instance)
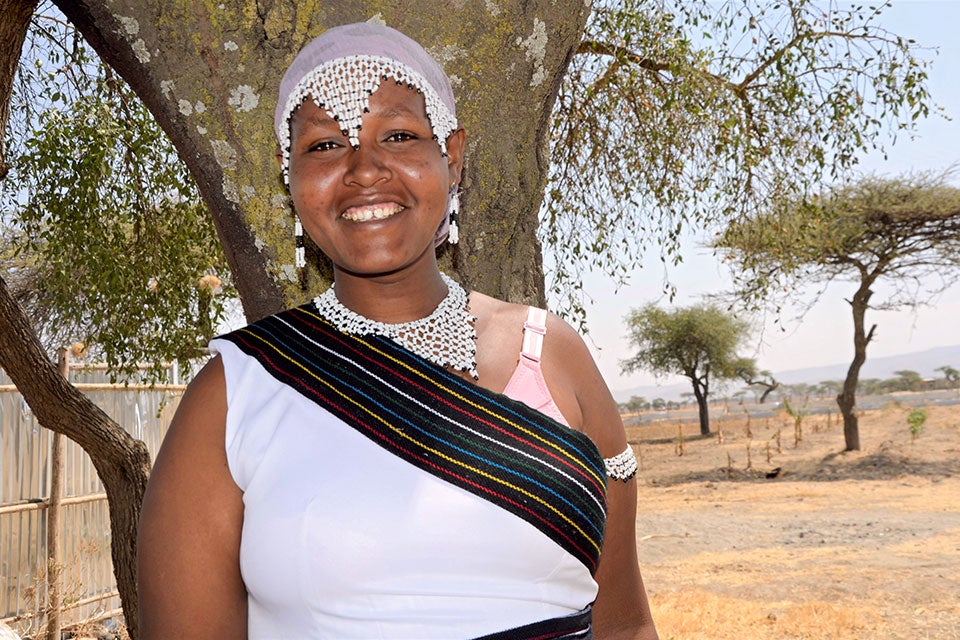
(372, 212)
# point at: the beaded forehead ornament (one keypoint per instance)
(341, 68)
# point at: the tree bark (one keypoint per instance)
(847, 399)
(14, 21)
(210, 78)
(122, 463)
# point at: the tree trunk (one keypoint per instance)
(847, 399)
(14, 21)
(210, 78)
(122, 463)
(701, 393)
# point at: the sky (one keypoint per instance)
(824, 335)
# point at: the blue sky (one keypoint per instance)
(824, 335)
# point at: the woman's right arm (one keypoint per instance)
(188, 555)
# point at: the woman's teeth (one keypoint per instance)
(375, 212)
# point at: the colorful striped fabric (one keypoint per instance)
(486, 443)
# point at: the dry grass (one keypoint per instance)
(701, 615)
(859, 545)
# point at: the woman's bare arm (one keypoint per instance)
(621, 609)
(188, 546)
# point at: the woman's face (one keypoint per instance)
(373, 210)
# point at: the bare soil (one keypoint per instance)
(856, 545)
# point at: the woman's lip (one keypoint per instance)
(370, 212)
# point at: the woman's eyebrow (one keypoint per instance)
(320, 118)
(397, 111)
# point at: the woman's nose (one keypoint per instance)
(366, 166)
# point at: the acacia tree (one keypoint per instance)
(950, 375)
(699, 342)
(904, 231)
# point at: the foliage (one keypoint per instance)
(907, 380)
(950, 374)
(690, 114)
(105, 240)
(699, 342)
(904, 229)
(915, 419)
(634, 404)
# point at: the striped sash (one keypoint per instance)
(483, 442)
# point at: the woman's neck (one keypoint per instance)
(391, 298)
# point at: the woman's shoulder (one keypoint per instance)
(512, 315)
(494, 310)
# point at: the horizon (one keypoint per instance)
(880, 367)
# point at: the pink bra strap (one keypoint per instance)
(533, 331)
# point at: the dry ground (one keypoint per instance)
(859, 545)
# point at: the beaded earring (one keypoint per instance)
(454, 235)
(300, 259)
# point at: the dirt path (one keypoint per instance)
(862, 545)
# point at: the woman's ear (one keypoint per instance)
(456, 143)
(279, 155)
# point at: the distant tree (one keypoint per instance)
(951, 375)
(906, 380)
(829, 387)
(761, 380)
(797, 390)
(634, 404)
(658, 403)
(904, 230)
(699, 342)
(871, 386)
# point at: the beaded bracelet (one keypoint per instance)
(622, 466)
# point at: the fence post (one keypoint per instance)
(54, 564)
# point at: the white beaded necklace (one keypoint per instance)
(446, 337)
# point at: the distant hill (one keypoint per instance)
(923, 362)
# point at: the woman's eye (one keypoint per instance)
(401, 136)
(326, 145)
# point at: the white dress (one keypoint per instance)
(343, 539)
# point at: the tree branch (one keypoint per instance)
(620, 53)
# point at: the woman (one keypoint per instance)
(397, 458)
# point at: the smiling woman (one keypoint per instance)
(398, 458)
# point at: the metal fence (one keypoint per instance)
(86, 583)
